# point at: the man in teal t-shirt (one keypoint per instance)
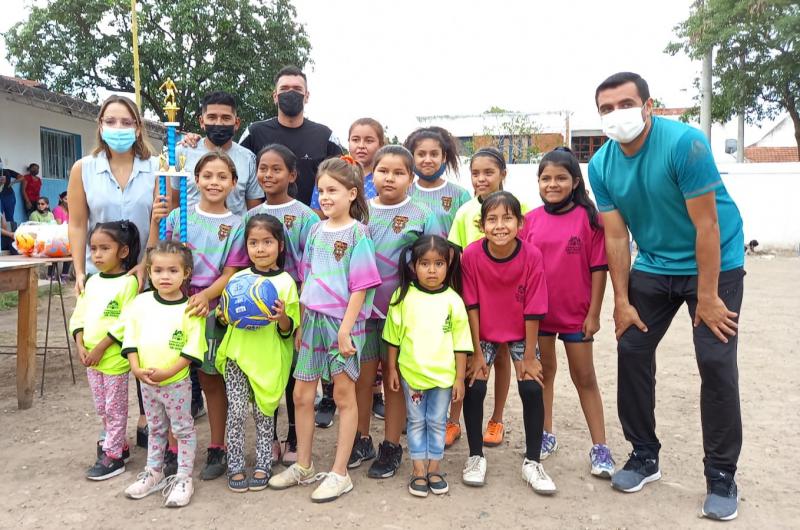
(657, 178)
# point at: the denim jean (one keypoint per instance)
(427, 417)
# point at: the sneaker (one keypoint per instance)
(388, 461)
(276, 451)
(602, 462)
(292, 476)
(105, 468)
(126, 451)
(324, 416)
(451, 434)
(216, 464)
(494, 434)
(147, 482)
(378, 407)
(198, 411)
(170, 463)
(549, 445)
(474, 473)
(178, 490)
(722, 499)
(333, 487)
(289, 451)
(141, 436)
(638, 471)
(534, 474)
(362, 451)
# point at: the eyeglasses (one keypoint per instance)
(112, 122)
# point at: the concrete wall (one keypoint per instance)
(768, 197)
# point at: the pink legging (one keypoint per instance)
(110, 393)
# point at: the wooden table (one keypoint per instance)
(19, 273)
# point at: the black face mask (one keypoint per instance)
(291, 103)
(219, 134)
(553, 207)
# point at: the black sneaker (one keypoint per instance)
(378, 408)
(640, 469)
(722, 498)
(170, 463)
(141, 436)
(216, 464)
(126, 451)
(105, 468)
(362, 451)
(388, 461)
(324, 416)
(198, 410)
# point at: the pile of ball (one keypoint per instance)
(247, 301)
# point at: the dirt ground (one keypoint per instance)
(45, 450)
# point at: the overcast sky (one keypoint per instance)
(395, 61)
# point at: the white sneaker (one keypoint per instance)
(533, 473)
(474, 473)
(147, 482)
(178, 490)
(292, 476)
(333, 487)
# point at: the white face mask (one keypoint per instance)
(623, 125)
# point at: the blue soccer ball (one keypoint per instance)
(247, 301)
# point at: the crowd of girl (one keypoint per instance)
(404, 272)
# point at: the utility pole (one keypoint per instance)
(705, 94)
(740, 124)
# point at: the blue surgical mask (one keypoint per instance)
(119, 140)
(435, 176)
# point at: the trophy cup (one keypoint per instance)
(170, 167)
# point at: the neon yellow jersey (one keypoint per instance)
(429, 327)
(465, 228)
(97, 314)
(264, 354)
(160, 332)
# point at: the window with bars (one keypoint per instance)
(59, 151)
(586, 146)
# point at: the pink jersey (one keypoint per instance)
(508, 292)
(572, 250)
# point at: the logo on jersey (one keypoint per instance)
(574, 245)
(223, 232)
(399, 223)
(112, 309)
(288, 221)
(339, 248)
(520, 296)
(177, 341)
(447, 203)
(448, 325)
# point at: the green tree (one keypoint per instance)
(757, 56)
(78, 46)
(514, 131)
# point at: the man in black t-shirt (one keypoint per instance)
(311, 142)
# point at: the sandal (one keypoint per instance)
(238, 485)
(259, 483)
(416, 489)
(439, 487)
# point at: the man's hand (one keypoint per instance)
(190, 140)
(625, 316)
(714, 313)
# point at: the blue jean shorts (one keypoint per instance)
(576, 336)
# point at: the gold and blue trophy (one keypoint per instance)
(169, 166)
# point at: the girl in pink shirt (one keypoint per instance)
(569, 235)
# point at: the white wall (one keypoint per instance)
(768, 197)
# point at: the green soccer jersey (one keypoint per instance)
(264, 354)
(428, 327)
(97, 314)
(160, 332)
(465, 229)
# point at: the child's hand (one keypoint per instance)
(198, 305)
(458, 390)
(221, 317)
(532, 369)
(160, 209)
(158, 374)
(590, 326)
(83, 354)
(346, 348)
(393, 379)
(477, 368)
(93, 357)
(298, 338)
(278, 311)
(143, 375)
